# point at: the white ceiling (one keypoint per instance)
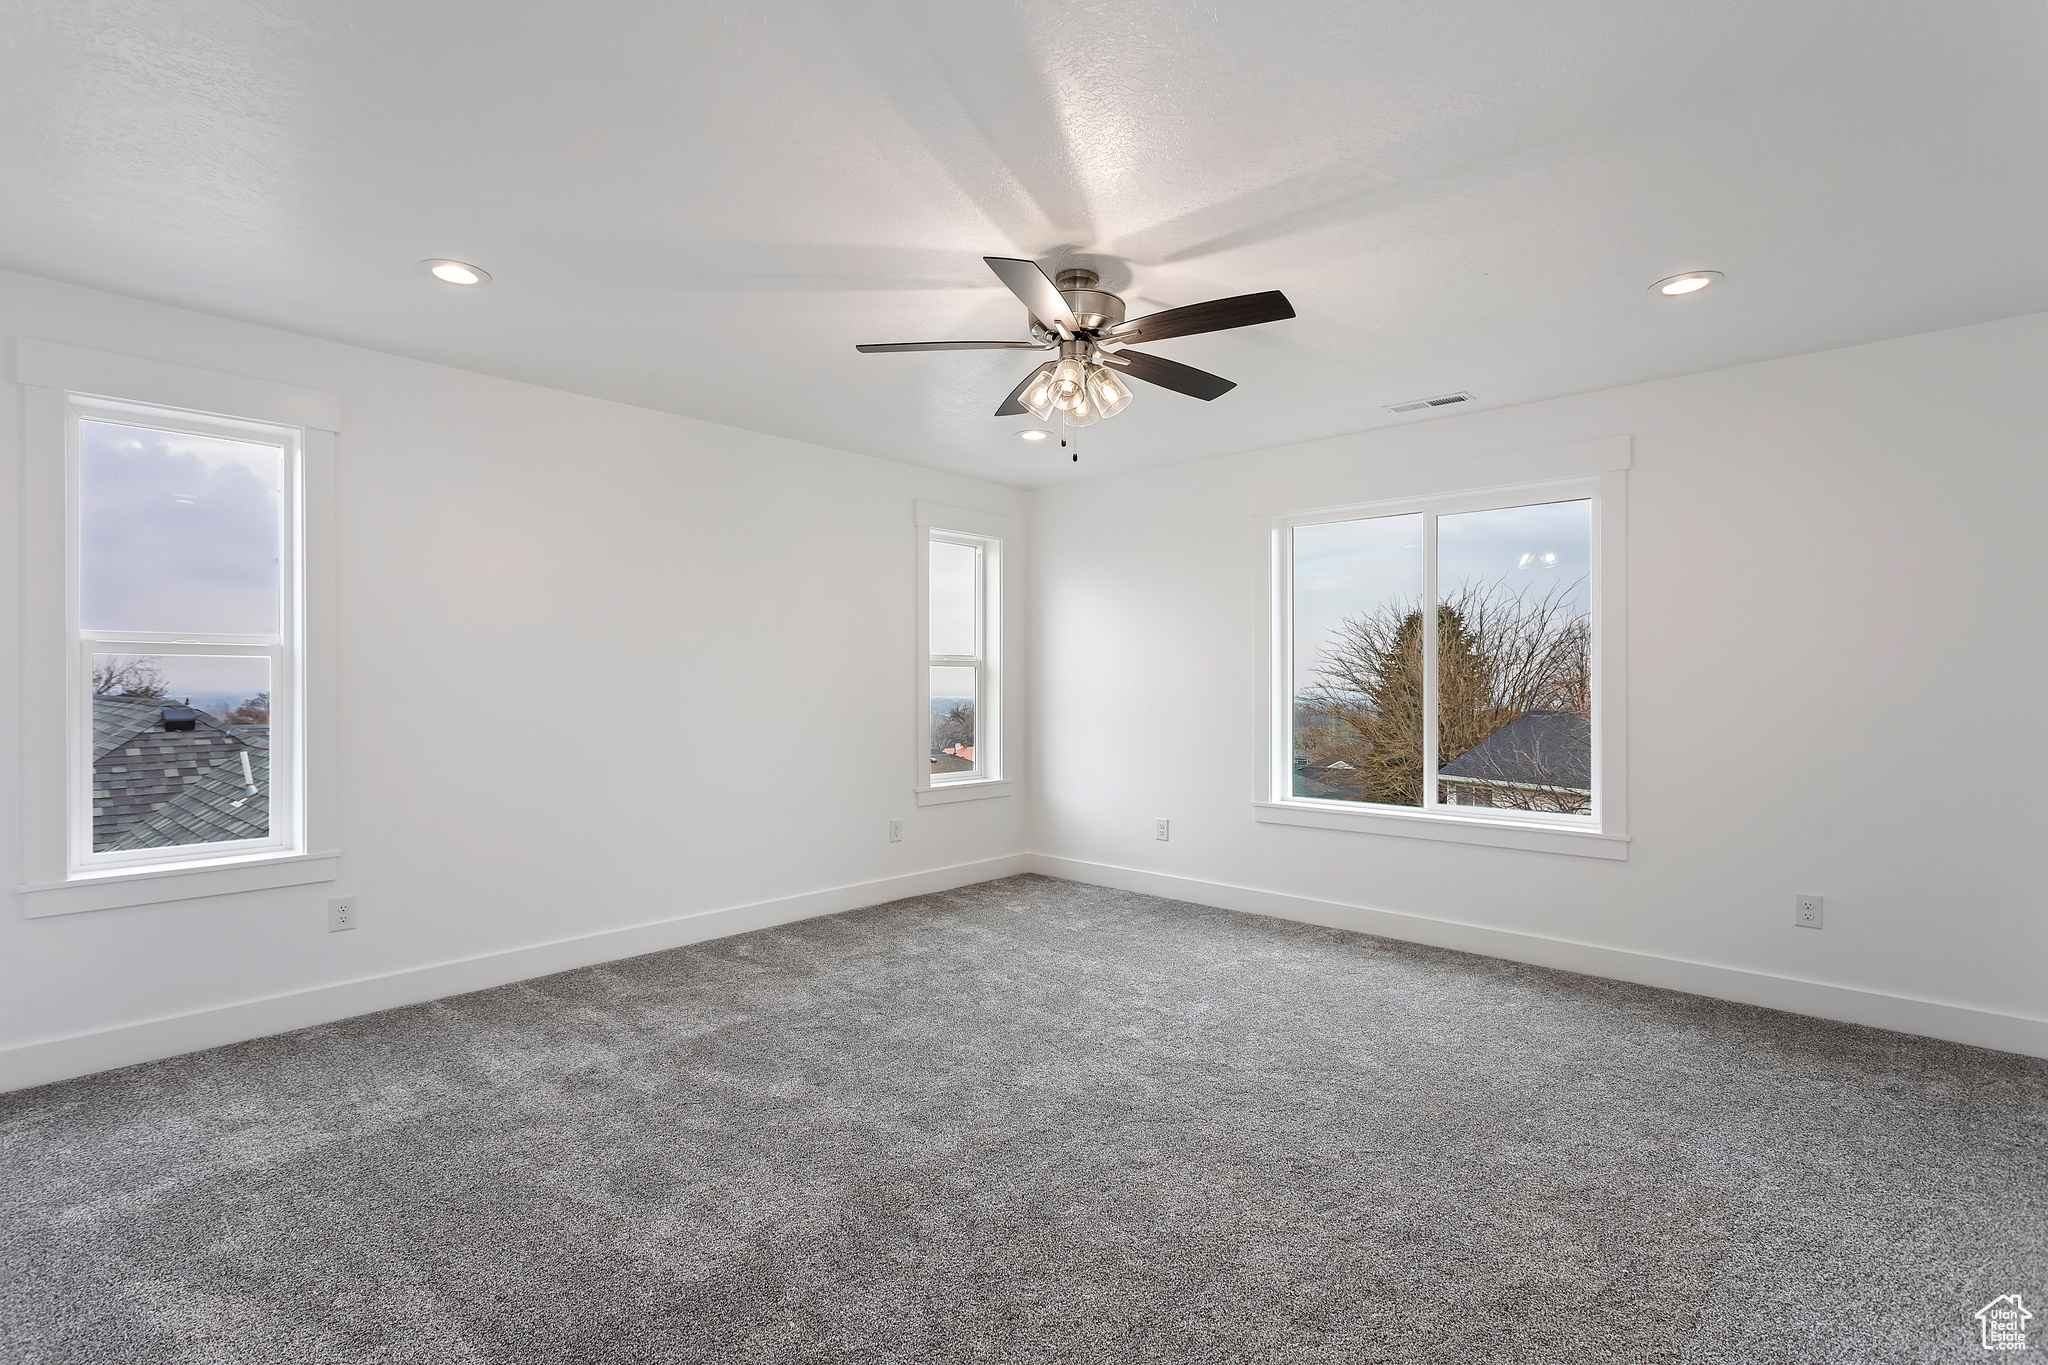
(702, 207)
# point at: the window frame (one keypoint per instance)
(51, 377)
(987, 570)
(284, 649)
(1594, 471)
(993, 539)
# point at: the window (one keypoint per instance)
(1442, 667)
(186, 613)
(960, 655)
(177, 631)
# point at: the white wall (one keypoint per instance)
(1836, 659)
(598, 667)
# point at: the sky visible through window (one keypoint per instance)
(952, 617)
(214, 683)
(1342, 568)
(179, 533)
(1527, 551)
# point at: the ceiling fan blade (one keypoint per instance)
(1029, 282)
(1217, 315)
(1171, 374)
(949, 346)
(1012, 406)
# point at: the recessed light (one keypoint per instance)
(1032, 434)
(456, 272)
(1689, 283)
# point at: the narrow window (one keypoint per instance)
(186, 617)
(1441, 659)
(962, 689)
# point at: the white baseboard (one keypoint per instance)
(80, 1054)
(1900, 1013)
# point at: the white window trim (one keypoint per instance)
(1595, 469)
(283, 651)
(57, 881)
(999, 570)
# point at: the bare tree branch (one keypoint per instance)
(125, 675)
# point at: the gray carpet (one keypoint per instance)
(1034, 1121)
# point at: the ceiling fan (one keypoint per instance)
(1086, 383)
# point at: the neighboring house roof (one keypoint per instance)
(944, 762)
(154, 788)
(1540, 749)
(1337, 781)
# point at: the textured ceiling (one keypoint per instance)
(701, 208)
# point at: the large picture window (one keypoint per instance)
(185, 608)
(1438, 660)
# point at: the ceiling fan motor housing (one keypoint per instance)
(1093, 309)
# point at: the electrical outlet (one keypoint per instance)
(1806, 911)
(895, 831)
(1161, 828)
(341, 913)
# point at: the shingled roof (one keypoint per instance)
(155, 788)
(1541, 749)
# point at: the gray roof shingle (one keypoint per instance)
(1541, 749)
(157, 788)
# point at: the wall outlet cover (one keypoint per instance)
(341, 913)
(1806, 911)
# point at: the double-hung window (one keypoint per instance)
(960, 658)
(185, 606)
(1443, 666)
(177, 631)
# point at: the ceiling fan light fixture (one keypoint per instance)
(1111, 394)
(1038, 398)
(1069, 383)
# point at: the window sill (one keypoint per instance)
(1531, 836)
(156, 885)
(964, 791)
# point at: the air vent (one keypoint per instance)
(1423, 404)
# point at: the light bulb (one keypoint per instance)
(1038, 392)
(1111, 394)
(1069, 378)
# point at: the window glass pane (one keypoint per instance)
(953, 720)
(179, 533)
(1358, 660)
(952, 598)
(165, 772)
(1514, 658)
